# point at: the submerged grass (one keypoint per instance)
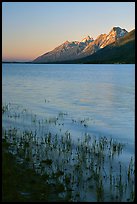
(66, 170)
(22, 184)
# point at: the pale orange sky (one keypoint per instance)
(30, 29)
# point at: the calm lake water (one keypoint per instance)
(102, 96)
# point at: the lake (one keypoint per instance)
(97, 100)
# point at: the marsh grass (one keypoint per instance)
(76, 169)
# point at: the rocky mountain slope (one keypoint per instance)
(120, 51)
(66, 51)
(76, 50)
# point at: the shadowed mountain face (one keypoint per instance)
(66, 51)
(120, 51)
(70, 51)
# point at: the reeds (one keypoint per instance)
(80, 168)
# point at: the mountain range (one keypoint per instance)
(118, 46)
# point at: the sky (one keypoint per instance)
(30, 29)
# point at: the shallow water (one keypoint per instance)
(103, 93)
(97, 100)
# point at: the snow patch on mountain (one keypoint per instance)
(85, 47)
(87, 39)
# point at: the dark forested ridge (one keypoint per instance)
(121, 51)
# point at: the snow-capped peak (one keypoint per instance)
(70, 50)
(87, 39)
(114, 34)
(117, 32)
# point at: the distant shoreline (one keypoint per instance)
(17, 62)
(59, 63)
